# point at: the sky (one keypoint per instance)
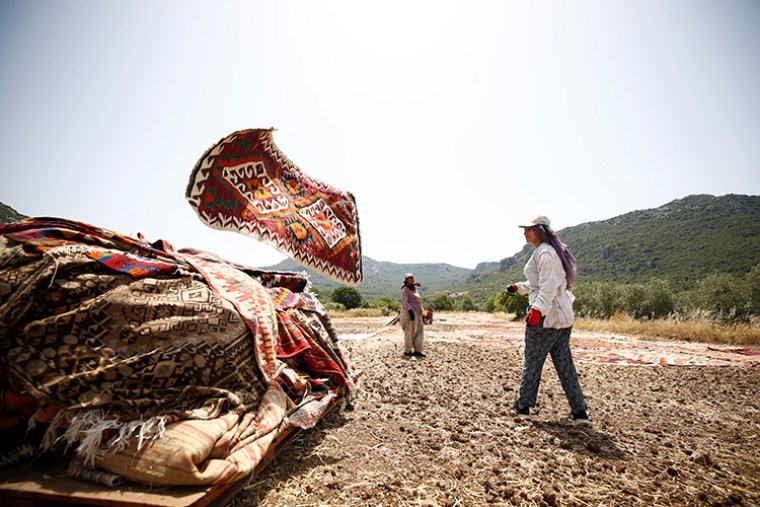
(451, 122)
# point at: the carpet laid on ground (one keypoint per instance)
(631, 351)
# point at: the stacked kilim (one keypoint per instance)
(244, 183)
(162, 366)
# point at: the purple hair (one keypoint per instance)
(547, 235)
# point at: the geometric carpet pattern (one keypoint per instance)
(245, 184)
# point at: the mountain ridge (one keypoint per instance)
(383, 278)
(681, 241)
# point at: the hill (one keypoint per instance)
(682, 241)
(9, 215)
(385, 278)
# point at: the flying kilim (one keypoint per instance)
(244, 183)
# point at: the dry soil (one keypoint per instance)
(438, 430)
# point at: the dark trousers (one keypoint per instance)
(540, 341)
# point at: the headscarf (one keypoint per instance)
(411, 286)
(547, 235)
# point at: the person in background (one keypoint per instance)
(411, 318)
(550, 272)
(427, 317)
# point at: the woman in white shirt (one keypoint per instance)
(550, 272)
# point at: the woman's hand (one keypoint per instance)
(533, 318)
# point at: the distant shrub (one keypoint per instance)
(442, 302)
(348, 297)
(721, 296)
(724, 296)
(599, 300)
(662, 299)
(652, 300)
(467, 304)
(384, 304)
(332, 306)
(503, 302)
(753, 291)
(517, 304)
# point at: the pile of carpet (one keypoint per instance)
(138, 361)
(151, 364)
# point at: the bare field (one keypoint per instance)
(437, 430)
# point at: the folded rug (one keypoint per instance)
(123, 348)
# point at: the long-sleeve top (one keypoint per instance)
(411, 300)
(547, 287)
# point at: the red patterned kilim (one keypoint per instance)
(253, 302)
(244, 183)
(291, 341)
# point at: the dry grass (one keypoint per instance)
(698, 328)
(360, 312)
(693, 329)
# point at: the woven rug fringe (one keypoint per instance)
(89, 429)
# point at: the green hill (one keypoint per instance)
(682, 241)
(385, 278)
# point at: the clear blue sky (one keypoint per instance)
(449, 121)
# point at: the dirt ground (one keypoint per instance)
(438, 431)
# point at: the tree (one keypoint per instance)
(598, 300)
(467, 304)
(348, 297)
(753, 291)
(386, 302)
(725, 296)
(442, 302)
(516, 304)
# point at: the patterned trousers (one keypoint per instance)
(540, 341)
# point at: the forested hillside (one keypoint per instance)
(681, 242)
(385, 278)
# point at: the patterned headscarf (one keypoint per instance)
(547, 235)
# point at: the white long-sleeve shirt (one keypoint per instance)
(547, 287)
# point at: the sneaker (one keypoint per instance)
(523, 413)
(580, 418)
(408, 354)
(419, 354)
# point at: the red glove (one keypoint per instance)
(533, 318)
(511, 290)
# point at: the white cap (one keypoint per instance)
(536, 220)
(408, 275)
